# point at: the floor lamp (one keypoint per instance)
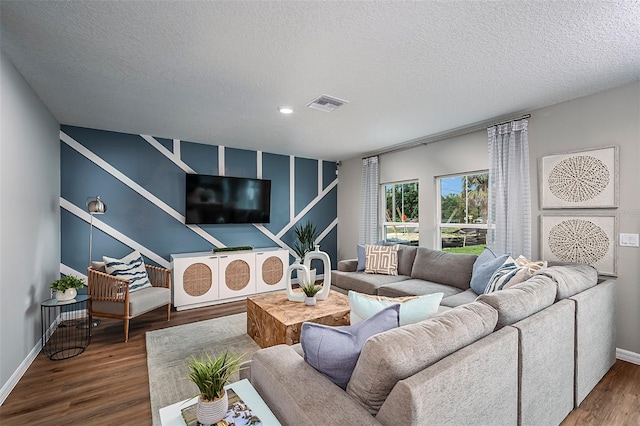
(94, 206)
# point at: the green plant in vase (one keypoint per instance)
(306, 236)
(66, 287)
(210, 375)
(310, 290)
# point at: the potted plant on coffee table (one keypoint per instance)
(210, 375)
(66, 287)
(310, 290)
(306, 237)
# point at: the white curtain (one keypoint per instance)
(369, 201)
(509, 219)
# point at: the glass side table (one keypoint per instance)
(66, 327)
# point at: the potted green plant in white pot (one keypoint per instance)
(310, 290)
(66, 287)
(210, 375)
(306, 236)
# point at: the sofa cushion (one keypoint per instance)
(334, 351)
(483, 268)
(348, 265)
(571, 280)
(381, 260)
(522, 300)
(139, 302)
(131, 268)
(363, 283)
(458, 299)
(445, 268)
(406, 257)
(415, 288)
(412, 308)
(397, 354)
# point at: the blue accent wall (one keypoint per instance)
(144, 192)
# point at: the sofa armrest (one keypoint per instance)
(477, 385)
(348, 265)
(298, 394)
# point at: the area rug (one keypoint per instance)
(169, 349)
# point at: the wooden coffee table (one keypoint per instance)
(272, 319)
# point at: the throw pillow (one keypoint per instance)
(131, 267)
(412, 309)
(362, 254)
(483, 268)
(513, 272)
(334, 351)
(526, 269)
(381, 260)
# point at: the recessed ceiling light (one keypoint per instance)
(285, 109)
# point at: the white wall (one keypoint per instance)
(29, 216)
(607, 118)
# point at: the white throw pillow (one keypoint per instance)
(412, 309)
(131, 267)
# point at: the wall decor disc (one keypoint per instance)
(586, 179)
(581, 239)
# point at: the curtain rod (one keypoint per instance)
(459, 131)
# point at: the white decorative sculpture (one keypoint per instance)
(326, 262)
(304, 275)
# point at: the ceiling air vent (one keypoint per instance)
(326, 103)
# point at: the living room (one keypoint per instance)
(46, 178)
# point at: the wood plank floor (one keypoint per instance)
(108, 383)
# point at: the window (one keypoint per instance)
(401, 213)
(463, 212)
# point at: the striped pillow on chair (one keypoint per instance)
(131, 267)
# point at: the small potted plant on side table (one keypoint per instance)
(66, 288)
(310, 290)
(210, 375)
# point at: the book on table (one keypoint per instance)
(238, 414)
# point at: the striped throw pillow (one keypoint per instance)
(381, 260)
(513, 272)
(131, 267)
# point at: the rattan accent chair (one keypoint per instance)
(111, 297)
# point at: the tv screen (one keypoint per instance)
(223, 199)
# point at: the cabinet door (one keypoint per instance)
(195, 280)
(271, 270)
(237, 275)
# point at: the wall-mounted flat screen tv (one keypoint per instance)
(224, 199)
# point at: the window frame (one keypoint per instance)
(383, 211)
(441, 225)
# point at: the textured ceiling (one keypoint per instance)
(215, 72)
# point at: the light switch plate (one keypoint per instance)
(629, 240)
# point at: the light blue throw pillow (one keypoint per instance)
(334, 351)
(131, 267)
(483, 268)
(362, 255)
(412, 309)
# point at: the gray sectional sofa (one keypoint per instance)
(525, 355)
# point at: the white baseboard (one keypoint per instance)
(628, 356)
(17, 375)
(24, 365)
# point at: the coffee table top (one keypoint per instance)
(172, 414)
(288, 313)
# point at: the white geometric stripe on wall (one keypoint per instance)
(135, 187)
(67, 270)
(175, 158)
(114, 233)
(308, 207)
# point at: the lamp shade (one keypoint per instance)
(95, 205)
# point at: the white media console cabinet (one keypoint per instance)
(208, 278)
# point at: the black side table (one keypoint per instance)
(66, 327)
